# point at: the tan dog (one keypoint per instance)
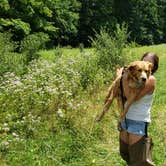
(130, 80)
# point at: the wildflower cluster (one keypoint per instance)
(46, 86)
(54, 88)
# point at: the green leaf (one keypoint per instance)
(5, 22)
(47, 11)
(4, 4)
(20, 25)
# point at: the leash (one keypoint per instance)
(123, 97)
(146, 129)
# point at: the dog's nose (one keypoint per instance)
(144, 79)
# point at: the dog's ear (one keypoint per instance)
(131, 67)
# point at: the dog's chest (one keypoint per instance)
(127, 90)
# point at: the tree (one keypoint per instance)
(121, 10)
(162, 18)
(57, 18)
(74, 21)
(144, 21)
(65, 18)
(142, 17)
(94, 14)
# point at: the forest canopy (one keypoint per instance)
(71, 22)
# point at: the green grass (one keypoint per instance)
(83, 142)
(158, 127)
(137, 52)
(50, 55)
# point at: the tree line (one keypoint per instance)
(71, 22)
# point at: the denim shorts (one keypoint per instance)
(133, 126)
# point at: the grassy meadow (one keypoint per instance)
(49, 120)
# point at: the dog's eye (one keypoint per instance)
(140, 70)
(146, 71)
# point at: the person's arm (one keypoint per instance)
(148, 88)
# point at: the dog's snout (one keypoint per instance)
(143, 79)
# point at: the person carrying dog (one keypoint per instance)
(134, 127)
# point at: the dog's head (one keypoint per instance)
(139, 71)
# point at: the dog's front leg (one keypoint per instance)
(112, 93)
(114, 86)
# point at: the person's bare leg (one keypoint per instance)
(124, 136)
(133, 138)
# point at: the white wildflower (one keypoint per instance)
(6, 129)
(6, 143)
(14, 134)
(5, 124)
(60, 113)
(93, 161)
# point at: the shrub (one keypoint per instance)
(32, 43)
(109, 47)
(13, 62)
(91, 73)
(46, 87)
(10, 61)
(6, 44)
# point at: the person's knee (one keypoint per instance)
(124, 136)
